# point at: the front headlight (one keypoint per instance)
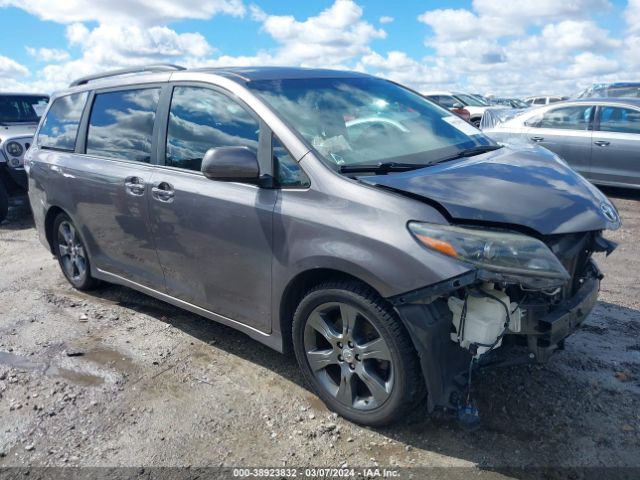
(14, 149)
(508, 254)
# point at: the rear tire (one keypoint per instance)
(71, 253)
(4, 202)
(355, 353)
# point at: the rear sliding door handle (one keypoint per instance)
(134, 186)
(537, 139)
(602, 143)
(163, 192)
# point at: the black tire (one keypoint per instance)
(4, 202)
(71, 253)
(476, 122)
(374, 320)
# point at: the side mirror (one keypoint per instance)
(231, 164)
(457, 105)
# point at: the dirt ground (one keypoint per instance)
(116, 378)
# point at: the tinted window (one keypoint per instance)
(624, 91)
(288, 172)
(565, 118)
(22, 108)
(60, 127)
(618, 119)
(121, 124)
(445, 101)
(200, 119)
(539, 101)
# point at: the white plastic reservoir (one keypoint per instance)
(485, 318)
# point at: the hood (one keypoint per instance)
(529, 187)
(17, 129)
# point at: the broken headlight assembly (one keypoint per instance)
(498, 255)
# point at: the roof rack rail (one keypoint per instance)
(156, 67)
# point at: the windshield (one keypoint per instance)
(352, 121)
(470, 101)
(22, 108)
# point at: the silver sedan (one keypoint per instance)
(600, 138)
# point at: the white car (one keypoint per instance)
(474, 105)
(19, 117)
(543, 100)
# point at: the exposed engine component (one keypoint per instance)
(482, 318)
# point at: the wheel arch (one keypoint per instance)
(49, 219)
(298, 286)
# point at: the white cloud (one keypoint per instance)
(400, 67)
(48, 54)
(572, 35)
(386, 19)
(126, 12)
(10, 69)
(632, 16)
(588, 64)
(112, 46)
(335, 35)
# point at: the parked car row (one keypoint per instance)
(598, 137)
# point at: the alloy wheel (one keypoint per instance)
(348, 356)
(72, 255)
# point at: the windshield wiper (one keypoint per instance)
(384, 167)
(470, 152)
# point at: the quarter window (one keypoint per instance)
(288, 172)
(564, 118)
(618, 119)
(200, 119)
(121, 124)
(60, 127)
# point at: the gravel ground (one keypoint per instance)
(116, 378)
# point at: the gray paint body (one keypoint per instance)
(229, 251)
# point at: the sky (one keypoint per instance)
(499, 47)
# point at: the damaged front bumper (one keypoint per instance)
(445, 363)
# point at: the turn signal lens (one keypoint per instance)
(439, 245)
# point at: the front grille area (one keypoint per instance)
(574, 251)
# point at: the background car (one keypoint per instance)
(544, 100)
(19, 117)
(600, 138)
(475, 106)
(617, 89)
(507, 102)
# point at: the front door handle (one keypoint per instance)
(602, 143)
(163, 192)
(134, 186)
(537, 139)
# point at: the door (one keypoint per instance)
(616, 143)
(111, 185)
(565, 131)
(213, 238)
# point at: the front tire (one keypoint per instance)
(72, 254)
(355, 353)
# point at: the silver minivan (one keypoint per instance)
(388, 243)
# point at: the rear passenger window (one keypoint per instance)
(121, 124)
(60, 127)
(618, 119)
(566, 118)
(200, 119)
